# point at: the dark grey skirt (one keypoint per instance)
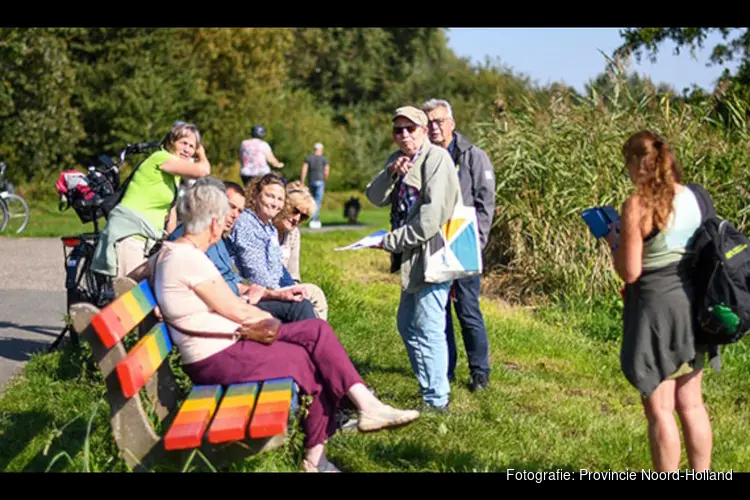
(658, 326)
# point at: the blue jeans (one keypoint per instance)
(316, 189)
(421, 323)
(473, 328)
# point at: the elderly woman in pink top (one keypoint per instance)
(250, 344)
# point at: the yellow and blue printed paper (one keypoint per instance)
(456, 252)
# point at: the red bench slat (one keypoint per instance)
(123, 314)
(191, 421)
(268, 420)
(143, 360)
(233, 415)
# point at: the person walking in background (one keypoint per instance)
(256, 155)
(318, 168)
(477, 178)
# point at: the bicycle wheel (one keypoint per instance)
(18, 212)
(3, 215)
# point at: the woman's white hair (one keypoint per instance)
(204, 201)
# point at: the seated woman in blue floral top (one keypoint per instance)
(254, 240)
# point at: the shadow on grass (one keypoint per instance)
(20, 429)
(67, 363)
(64, 445)
(366, 367)
(418, 457)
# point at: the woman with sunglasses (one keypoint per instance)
(299, 207)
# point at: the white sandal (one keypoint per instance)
(323, 466)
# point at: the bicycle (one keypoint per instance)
(103, 191)
(13, 206)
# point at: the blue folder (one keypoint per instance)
(599, 218)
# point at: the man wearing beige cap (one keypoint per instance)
(421, 185)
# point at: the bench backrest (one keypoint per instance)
(113, 323)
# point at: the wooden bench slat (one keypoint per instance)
(267, 419)
(108, 327)
(145, 296)
(233, 415)
(143, 360)
(123, 314)
(191, 421)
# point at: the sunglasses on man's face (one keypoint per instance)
(400, 130)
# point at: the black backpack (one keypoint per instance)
(721, 275)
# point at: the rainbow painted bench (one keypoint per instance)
(223, 422)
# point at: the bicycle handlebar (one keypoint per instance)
(139, 147)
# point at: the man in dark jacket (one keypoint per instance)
(477, 178)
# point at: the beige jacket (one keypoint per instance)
(434, 175)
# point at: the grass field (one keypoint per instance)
(557, 399)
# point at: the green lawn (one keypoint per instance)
(557, 399)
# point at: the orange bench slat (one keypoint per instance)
(193, 418)
(269, 424)
(143, 360)
(123, 314)
(233, 415)
(267, 419)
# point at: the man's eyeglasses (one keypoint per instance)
(437, 121)
(400, 130)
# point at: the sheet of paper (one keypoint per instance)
(369, 241)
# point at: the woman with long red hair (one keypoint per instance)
(652, 254)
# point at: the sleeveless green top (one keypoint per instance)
(151, 191)
(670, 245)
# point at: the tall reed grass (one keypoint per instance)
(552, 161)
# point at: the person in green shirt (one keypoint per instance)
(146, 213)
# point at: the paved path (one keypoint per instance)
(333, 227)
(32, 297)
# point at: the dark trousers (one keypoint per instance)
(473, 329)
(288, 312)
(246, 179)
